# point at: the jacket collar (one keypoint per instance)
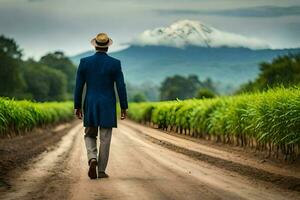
(100, 53)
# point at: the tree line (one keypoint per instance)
(51, 78)
(281, 71)
(174, 87)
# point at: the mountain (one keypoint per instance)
(188, 32)
(226, 58)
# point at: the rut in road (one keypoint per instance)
(140, 169)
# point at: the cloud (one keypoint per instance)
(258, 11)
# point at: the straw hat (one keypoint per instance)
(101, 40)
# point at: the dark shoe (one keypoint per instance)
(102, 175)
(93, 169)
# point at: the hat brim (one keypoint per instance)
(93, 42)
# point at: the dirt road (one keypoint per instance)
(141, 168)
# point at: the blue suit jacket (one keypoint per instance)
(100, 72)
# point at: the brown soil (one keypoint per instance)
(146, 163)
(16, 151)
(290, 181)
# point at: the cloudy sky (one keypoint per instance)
(40, 26)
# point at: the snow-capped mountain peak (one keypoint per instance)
(188, 32)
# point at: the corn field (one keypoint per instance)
(268, 121)
(17, 117)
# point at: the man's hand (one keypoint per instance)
(123, 114)
(78, 113)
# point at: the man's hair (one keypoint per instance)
(101, 49)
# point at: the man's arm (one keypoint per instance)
(121, 89)
(80, 81)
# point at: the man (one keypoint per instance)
(100, 73)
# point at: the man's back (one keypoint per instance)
(100, 72)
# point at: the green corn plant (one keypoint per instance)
(17, 117)
(267, 120)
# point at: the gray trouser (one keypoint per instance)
(90, 139)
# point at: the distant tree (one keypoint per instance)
(184, 87)
(250, 86)
(59, 61)
(45, 80)
(9, 48)
(44, 83)
(179, 87)
(138, 97)
(12, 82)
(283, 70)
(173, 88)
(148, 89)
(209, 85)
(205, 93)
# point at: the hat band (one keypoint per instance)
(102, 43)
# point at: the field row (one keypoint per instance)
(17, 117)
(268, 121)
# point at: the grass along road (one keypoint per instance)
(141, 168)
